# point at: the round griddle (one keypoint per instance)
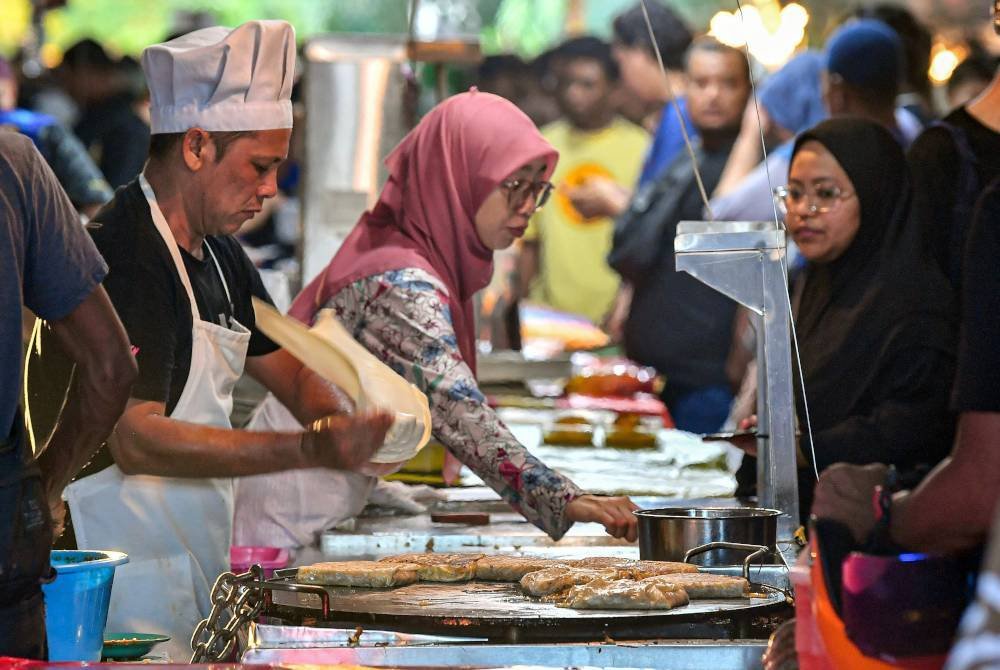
(500, 612)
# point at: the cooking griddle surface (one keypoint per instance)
(495, 609)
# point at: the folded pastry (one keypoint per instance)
(440, 567)
(367, 574)
(624, 594)
(511, 568)
(703, 585)
(643, 569)
(554, 580)
(637, 569)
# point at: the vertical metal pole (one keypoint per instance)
(779, 486)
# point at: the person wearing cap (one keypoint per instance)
(162, 490)
(862, 75)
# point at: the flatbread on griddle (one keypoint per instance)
(511, 568)
(624, 594)
(366, 574)
(704, 585)
(554, 580)
(440, 567)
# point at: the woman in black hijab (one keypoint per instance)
(875, 322)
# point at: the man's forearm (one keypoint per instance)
(95, 340)
(307, 395)
(153, 444)
(84, 424)
(953, 508)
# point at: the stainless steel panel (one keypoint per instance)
(746, 261)
(355, 114)
(676, 655)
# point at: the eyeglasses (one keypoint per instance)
(823, 200)
(520, 191)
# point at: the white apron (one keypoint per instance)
(176, 531)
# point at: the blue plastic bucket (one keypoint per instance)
(76, 603)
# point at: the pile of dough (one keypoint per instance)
(367, 574)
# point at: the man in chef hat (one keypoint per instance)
(162, 490)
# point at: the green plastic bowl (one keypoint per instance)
(130, 645)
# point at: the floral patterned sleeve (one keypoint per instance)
(403, 318)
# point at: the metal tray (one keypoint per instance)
(500, 613)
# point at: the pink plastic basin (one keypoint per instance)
(269, 558)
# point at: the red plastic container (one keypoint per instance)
(269, 558)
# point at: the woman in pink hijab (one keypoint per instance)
(461, 185)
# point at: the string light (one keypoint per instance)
(771, 47)
(944, 60)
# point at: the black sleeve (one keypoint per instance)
(935, 164)
(977, 384)
(640, 231)
(144, 295)
(910, 425)
(75, 169)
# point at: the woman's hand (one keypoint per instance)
(614, 513)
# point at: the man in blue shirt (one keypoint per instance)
(49, 264)
(74, 168)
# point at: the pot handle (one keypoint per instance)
(756, 551)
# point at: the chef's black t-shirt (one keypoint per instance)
(147, 293)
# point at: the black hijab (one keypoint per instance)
(880, 297)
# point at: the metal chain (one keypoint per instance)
(239, 596)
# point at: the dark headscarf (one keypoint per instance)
(880, 297)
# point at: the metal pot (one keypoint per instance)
(668, 534)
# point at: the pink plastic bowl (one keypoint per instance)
(269, 558)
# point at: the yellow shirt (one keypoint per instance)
(573, 272)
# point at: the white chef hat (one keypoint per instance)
(222, 79)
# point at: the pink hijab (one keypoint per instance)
(439, 175)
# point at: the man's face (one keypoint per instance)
(233, 188)
(584, 92)
(640, 74)
(718, 89)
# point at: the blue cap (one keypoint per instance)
(866, 53)
(792, 95)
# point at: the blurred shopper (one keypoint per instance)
(461, 186)
(914, 96)
(970, 78)
(563, 261)
(864, 60)
(676, 323)
(868, 309)
(788, 102)
(48, 262)
(162, 490)
(108, 126)
(951, 163)
(641, 76)
(525, 84)
(66, 156)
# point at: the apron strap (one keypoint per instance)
(168, 238)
